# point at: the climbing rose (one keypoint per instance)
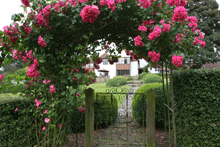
(47, 120)
(180, 14)
(111, 4)
(155, 57)
(1, 77)
(177, 60)
(26, 3)
(196, 41)
(178, 39)
(145, 3)
(16, 109)
(56, 6)
(27, 29)
(32, 69)
(203, 43)
(173, 2)
(52, 89)
(81, 109)
(47, 10)
(166, 27)
(45, 111)
(37, 103)
(142, 28)
(43, 128)
(41, 41)
(29, 54)
(156, 33)
(89, 13)
(138, 41)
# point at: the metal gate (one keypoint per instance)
(118, 127)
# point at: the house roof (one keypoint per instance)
(104, 55)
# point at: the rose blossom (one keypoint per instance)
(47, 120)
(89, 13)
(180, 14)
(52, 89)
(1, 76)
(177, 60)
(41, 41)
(37, 103)
(138, 41)
(43, 128)
(26, 3)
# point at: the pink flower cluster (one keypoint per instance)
(89, 13)
(138, 41)
(41, 41)
(27, 29)
(178, 37)
(26, 3)
(32, 69)
(177, 60)
(82, 109)
(37, 103)
(192, 20)
(156, 33)
(177, 2)
(46, 81)
(144, 3)
(154, 56)
(110, 3)
(198, 40)
(43, 16)
(142, 28)
(180, 14)
(12, 32)
(1, 77)
(52, 89)
(22, 55)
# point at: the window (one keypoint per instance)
(123, 72)
(105, 61)
(123, 61)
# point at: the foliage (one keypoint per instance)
(56, 39)
(197, 95)
(130, 78)
(105, 113)
(142, 75)
(208, 17)
(139, 104)
(152, 78)
(14, 83)
(17, 128)
(116, 81)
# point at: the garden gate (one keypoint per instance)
(118, 127)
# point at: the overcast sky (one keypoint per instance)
(9, 7)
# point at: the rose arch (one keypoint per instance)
(57, 37)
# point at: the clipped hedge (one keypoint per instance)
(17, 128)
(197, 97)
(142, 75)
(116, 81)
(152, 78)
(105, 113)
(139, 105)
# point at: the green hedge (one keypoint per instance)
(105, 113)
(116, 81)
(139, 104)
(142, 75)
(152, 78)
(197, 97)
(17, 128)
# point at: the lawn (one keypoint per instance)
(101, 87)
(9, 96)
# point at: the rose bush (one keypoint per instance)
(57, 37)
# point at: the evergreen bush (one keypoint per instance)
(152, 78)
(116, 81)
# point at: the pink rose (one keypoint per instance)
(59, 126)
(1, 76)
(26, 3)
(45, 111)
(41, 41)
(43, 128)
(138, 41)
(47, 120)
(144, 3)
(177, 60)
(37, 103)
(180, 14)
(16, 109)
(52, 89)
(89, 13)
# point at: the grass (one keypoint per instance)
(101, 87)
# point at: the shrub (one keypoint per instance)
(116, 81)
(17, 128)
(152, 78)
(130, 78)
(139, 104)
(197, 96)
(142, 75)
(105, 113)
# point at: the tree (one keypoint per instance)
(208, 15)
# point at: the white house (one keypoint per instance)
(126, 66)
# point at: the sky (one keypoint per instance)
(10, 7)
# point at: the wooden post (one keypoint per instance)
(89, 120)
(151, 118)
